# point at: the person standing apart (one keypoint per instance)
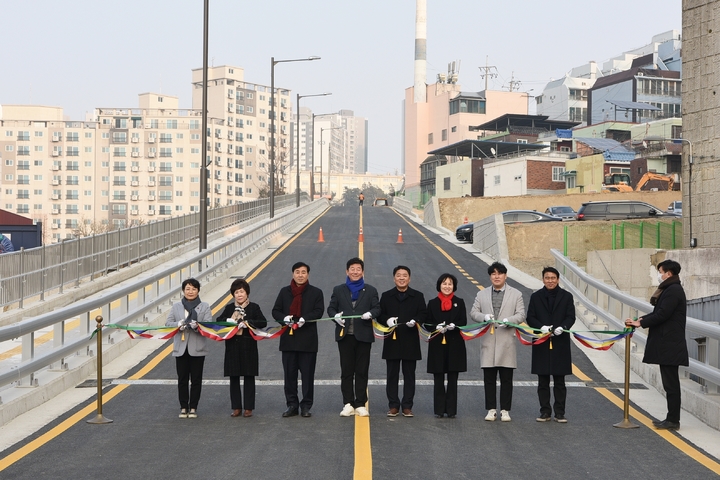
(354, 336)
(552, 310)
(446, 352)
(361, 198)
(296, 304)
(666, 345)
(241, 351)
(403, 307)
(497, 348)
(189, 347)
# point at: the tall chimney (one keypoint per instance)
(420, 51)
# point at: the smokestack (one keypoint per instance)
(420, 51)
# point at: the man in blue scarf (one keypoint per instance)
(354, 304)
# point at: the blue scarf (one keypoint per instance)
(355, 287)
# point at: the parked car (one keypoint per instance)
(675, 207)
(563, 211)
(464, 233)
(620, 210)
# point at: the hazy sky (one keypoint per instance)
(83, 54)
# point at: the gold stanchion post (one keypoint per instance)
(626, 423)
(99, 418)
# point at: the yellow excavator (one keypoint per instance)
(617, 182)
(668, 179)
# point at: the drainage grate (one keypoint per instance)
(615, 385)
(93, 383)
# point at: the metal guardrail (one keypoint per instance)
(34, 272)
(613, 306)
(136, 299)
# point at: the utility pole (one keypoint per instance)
(487, 69)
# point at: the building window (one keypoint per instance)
(444, 135)
(466, 105)
(497, 180)
(557, 174)
(430, 138)
(446, 183)
(570, 181)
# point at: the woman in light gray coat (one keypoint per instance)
(189, 347)
(501, 302)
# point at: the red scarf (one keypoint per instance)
(297, 291)
(445, 301)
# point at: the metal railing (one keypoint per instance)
(133, 301)
(613, 306)
(34, 272)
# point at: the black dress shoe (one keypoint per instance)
(657, 422)
(305, 413)
(668, 425)
(290, 412)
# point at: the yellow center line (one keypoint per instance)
(363, 450)
(113, 392)
(671, 438)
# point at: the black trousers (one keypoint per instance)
(236, 400)
(671, 383)
(506, 387)
(393, 379)
(559, 392)
(354, 367)
(189, 369)
(445, 399)
(304, 362)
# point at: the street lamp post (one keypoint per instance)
(274, 62)
(329, 158)
(297, 147)
(312, 155)
(202, 233)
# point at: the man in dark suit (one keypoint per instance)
(551, 309)
(354, 336)
(296, 304)
(403, 307)
(666, 344)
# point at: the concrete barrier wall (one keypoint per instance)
(402, 205)
(431, 215)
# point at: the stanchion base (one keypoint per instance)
(625, 424)
(99, 420)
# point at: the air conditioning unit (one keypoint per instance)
(151, 169)
(151, 212)
(151, 183)
(134, 184)
(135, 139)
(55, 153)
(135, 154)
(55, 168)
(55, 211)
(218, 134)
(56, 182)
(151, 155)
(134, 197)
(55, 225)
(56, 197)
(133, 212)
(134, 169)
(230, 109)
(231, 95)
(151, 140)
(218, 149)
(151, 198)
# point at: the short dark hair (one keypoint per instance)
(191, 281)
(551, 270)
(299, 265)
(670, 266)
(355, 261)
(444, 277)
(401, 267)
(497, 266)
(238, 284)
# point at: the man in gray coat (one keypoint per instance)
(354, 336)
(497, 347)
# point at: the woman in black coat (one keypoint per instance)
(446, 352)
(241, 352)
(666, 345)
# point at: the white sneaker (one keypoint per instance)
(491, 415)
(504, 416)
(347, 411)
(362, 412)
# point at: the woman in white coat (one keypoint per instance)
(189, 347)
(498, 356)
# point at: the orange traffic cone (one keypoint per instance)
(465, 220)
(361, 237)
(400, 240)
(321, 238)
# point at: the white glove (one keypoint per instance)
(545, 328)
(411, 323)
(489, 317)
(194, 325)
(366, 316)
(392, 321)
(181, 324)
(242, 325)
(287, 320)
(301, 322)
(441, 327)
(558, 331)
(451, 326)
(338, 318)
(504, 323)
